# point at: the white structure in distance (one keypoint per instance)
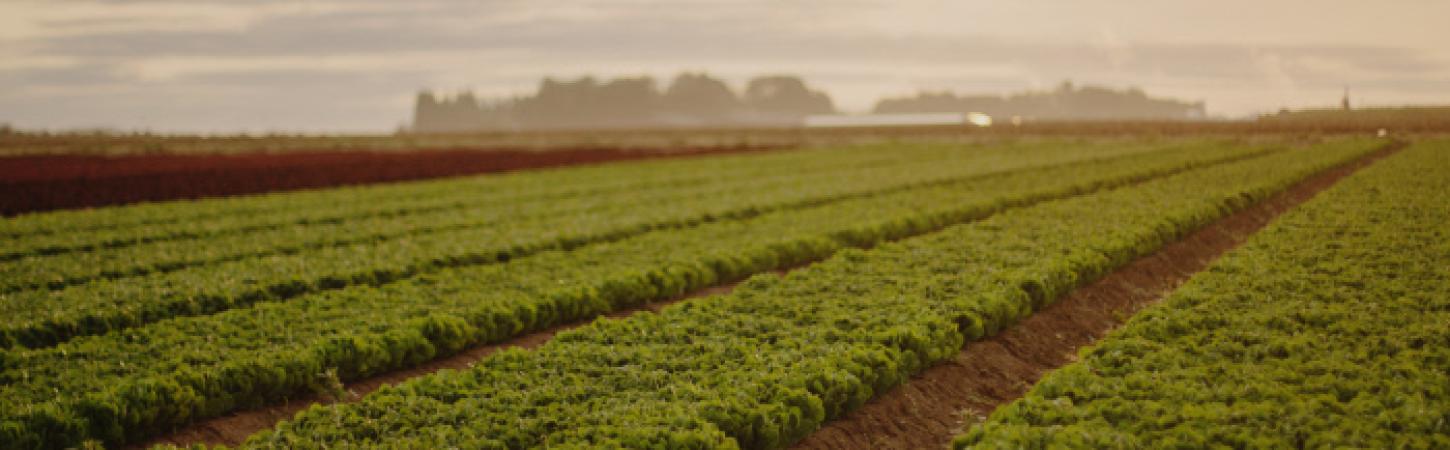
(896, 120)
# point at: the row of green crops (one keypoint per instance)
(807, 184)
(66, 231)
(56, 271)
(332, 203)
(770, 362)
(135, 382)
(44, 317)
(1329, 329)
(107, 227)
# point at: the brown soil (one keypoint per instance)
(940, 403)
(41, 183)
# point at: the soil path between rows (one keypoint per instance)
(938, 404)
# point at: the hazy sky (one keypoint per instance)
(355, 65)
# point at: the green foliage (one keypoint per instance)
(277, 247)
(175, 370)
(1328, 329)
(772, 361)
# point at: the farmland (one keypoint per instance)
(48, 182)
(1328, 329)
(727, 299)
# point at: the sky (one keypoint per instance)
(356, 65)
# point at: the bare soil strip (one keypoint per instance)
(928, 411)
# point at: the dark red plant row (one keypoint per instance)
(42, 183)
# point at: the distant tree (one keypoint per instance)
(463, 112)
(700, 97)
(692, 99)
(627, 102)
(924, 102)
(558, 103)
(786, 94)
(588, 103)
(426, 114)
(1066, 102)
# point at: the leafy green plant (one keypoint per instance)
(330, 387)
(172, 371)
(128, 286)
(1325, 330)
(776, 358)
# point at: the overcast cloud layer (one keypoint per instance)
(349, 66)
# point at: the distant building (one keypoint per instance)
(896, 120)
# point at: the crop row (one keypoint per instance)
(109, 227)
(287, 204)
(44, 317)
(59, 270)
(68, 231)
(54, 271)
(130, 383)
(1328, 329)
(770, 362)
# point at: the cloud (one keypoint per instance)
(123, 62)
(1111, 45)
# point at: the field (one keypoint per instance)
(47, 182)
(1174, 289)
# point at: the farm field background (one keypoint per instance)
(59, 181)
(42, 171)
(728, 299)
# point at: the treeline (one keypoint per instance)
(1067, 102)
(690, 100)
(1408, 117)
(699, 100)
